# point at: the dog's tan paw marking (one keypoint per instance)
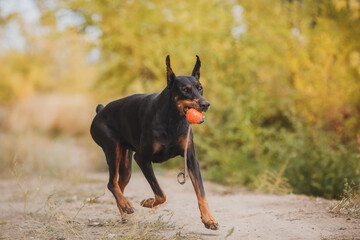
(149, 203)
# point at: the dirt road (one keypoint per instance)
(84, 209)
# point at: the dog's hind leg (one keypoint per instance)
(113, 154)
(148, 172)
(125, 169)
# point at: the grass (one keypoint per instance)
(349, 205)
(273, 182)
(36, 154)
(52, 140)
(24, 191)
(55, 223)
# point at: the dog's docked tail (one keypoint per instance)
(99, 108)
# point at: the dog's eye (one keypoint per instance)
(186, 90)
(199, 88)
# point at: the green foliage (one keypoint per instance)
(318, 161)
(273, 182)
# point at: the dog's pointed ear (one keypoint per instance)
(196, 71)
(170, 75)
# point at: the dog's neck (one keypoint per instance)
(168, 107)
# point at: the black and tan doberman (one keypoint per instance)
(153, 126)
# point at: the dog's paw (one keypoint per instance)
(212, 226)
(210, 223)
(129, 210)
(149, 203)
(126, 206)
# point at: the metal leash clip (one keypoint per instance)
(181, 178)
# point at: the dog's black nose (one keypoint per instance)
(204, 104)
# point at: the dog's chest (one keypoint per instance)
(163, 150)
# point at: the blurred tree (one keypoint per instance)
(137, 35)
(50, 61)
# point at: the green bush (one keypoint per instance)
(318, 162)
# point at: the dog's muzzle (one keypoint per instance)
(204, 105)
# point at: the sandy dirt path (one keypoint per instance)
(246, 215)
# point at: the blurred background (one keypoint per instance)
(283, 79)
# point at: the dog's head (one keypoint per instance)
(187, 91)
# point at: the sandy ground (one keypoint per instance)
(241, 214)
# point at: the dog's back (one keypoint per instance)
(125, 118)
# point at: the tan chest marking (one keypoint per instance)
(157, 147)
(182, 142)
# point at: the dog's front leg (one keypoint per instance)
(194, 173)
(147, 169)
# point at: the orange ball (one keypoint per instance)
(194, 116)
